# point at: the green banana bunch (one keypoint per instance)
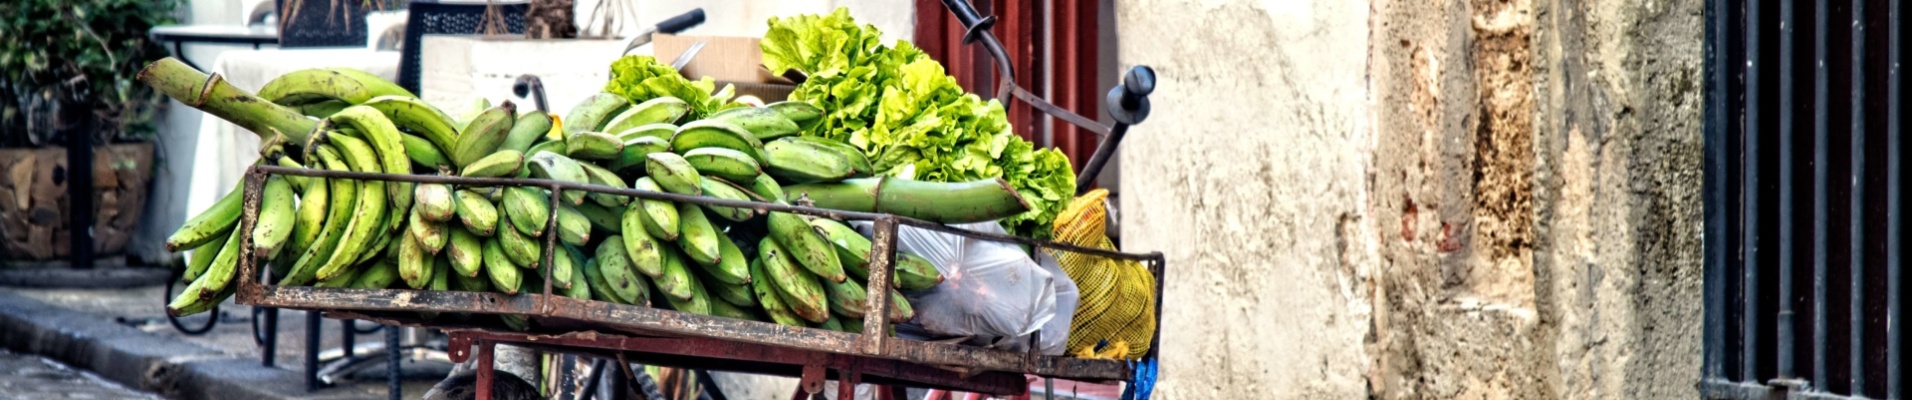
(770, 298)
(661, 110)
(593, 112)
(486, 132)
(413, 115)
(619, 276)
(911, 273)
(362, 231)
(794, 234)
(798, 289)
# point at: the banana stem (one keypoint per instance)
(211, 93)
(945, 202)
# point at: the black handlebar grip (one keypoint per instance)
(682, 21)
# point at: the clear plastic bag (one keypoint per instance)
(993, 294)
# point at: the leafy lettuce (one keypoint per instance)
(640, 78)
(910, 117)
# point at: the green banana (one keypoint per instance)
(564, 263)
(529, 209)
(619, 276)
(466, 251)
(851, 325)
(322, 108)
(713, 133)
(223, 267)
(503, 163)
(414, 264)
(731, 293)
(912, 272)
(662, 131)
(697, 303)
(673, 173)
(370, 125)
(604, 177)
(659, 216)
(602, 218)
(791, 161)
(593, 112)
(731, 165)
(526, 251)
(589, 145)
(800, 290)
(434, 202)
(900, 309)
(209, 224)
(601, 290)
(769, 298)
(761, 122)
(578, 287)
(675, 282)
(461, 282)
(956, 202)
(431, 236)
(367, 218)
(340, 207)
(802, 113)
(275, 220)
(423, 152)
(526, 131)
(515, 322)
(201, 258)
(717, 188)
(830, 324)
(299, 183)
(806, 246)
(727, 310)
(315, 84)
(413, 115)
(548, 146)
(342, 280)
(634, 151)
(193, 301)
(379, 275)
(859, 164)
(645, 252)
(477, 212)
(699, 237)
(661, 110)
(573, 228)
(484, 134)
(767, 188)
(504, 275)
(847, 298)
(558, 167)
(731, 266)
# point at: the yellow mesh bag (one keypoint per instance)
(1117, 296)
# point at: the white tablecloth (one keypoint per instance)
(225, 150)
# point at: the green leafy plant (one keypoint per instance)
(910, 117)
(640, 78)
(84, 52)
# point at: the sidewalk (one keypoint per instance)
(122, 335)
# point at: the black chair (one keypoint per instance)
(317, 24)
(430, 17)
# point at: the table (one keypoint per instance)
(224, 150)
(179, 35)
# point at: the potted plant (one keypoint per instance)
(67, 92)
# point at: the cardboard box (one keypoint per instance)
(737, 61)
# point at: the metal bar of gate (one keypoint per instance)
(1783, 339)
(1749, 210)
(1894, 129)
(1715, 193)
(1821, 211)
(1856, 221)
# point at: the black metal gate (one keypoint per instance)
(1805, 199)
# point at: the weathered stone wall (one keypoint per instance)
(1475, 199)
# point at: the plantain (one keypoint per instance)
(790, 161)
(313, 85)
(732, 267)
(589, 145)
(573, 228)
(528, 209)
(505, 276)
(767, 188)
(614, 263)
(422, 152)
(645, 252)
(413, 115)
(503, 163)
(379, 275)
(484, 134)
(387, 144)
(673, 173)
(466, 251)
(340, 206)
(912, 272)
(593, 112)
(659, 217)
(847, 298)
(713, 133)
(805, 245)
(414, 264)
(799, 289)
(476, 212)
(731, 165)
(558, 167)
(431, 236)
(602, 218)
(433, 202)
(661, 110)
(208, 225)
(600, 290)
(762, 122)
(698, 237)
(525, 251)
(675, 281)
(276, 218)
(661, 131)
(956, 202)
(804, 114)
(635, 150)
(201, 258)
(604, 177)
(769, 298)
(731, 293)
(367, 218)
(859, 164)
(698, 302)
(526, 131)
(461, 282)
(718, 188)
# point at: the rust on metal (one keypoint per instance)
(551, 246)
(876, 316)
(812, 380)
(248, 218)
(485, 371)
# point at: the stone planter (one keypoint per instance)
(34, 207)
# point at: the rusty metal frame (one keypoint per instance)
(869, 353)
